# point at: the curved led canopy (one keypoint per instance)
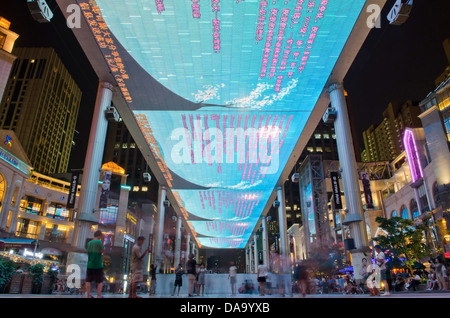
(221, 91)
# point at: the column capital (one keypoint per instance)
(334, 87)
(107, 85)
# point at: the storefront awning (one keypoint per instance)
(17, 243)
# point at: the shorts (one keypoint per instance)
(94, 275)
(261, 279)
(233, 280)
(383, 274)
(178, 282)
(137, 276)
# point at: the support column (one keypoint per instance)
(122, 212)
(265, 244)
(247, 261)
(15, 209)
(347, 161)
(177, 257)
(188, 248)
(160, 229)
(282, 221)
(255, 251)
(250, 255)
(92, 165)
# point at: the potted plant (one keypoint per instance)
(37, 273)
(6, 272)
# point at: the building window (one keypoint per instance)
(423, 199)
(404, 213)
(31, 205)
(414, 209)
(57, 211)
(394, 214)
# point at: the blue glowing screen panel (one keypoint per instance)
(221, 90)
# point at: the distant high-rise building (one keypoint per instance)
(7, 40)
(384, 142)
(446, 73)
(41, 104)
(121, 149)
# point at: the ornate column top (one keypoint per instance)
(334, 87)
(107, 85)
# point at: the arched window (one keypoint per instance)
(404, 212)
(2, 188)
(394, 214)
(414, 208)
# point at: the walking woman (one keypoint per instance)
(262, 276)
(201, 279)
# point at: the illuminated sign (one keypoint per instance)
(413, 155)
(221, 91)
(8, 141)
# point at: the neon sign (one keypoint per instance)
(413, 155)
(8, 141)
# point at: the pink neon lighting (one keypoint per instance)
(160, 6)
(196, 9)
(413, 155)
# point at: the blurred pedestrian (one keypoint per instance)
(201, 277)
(441, 274)
(232, 277)
(153, 268)
(381, 261)
(262, 276)
(178, 279)
(136, 266)
(94, 271)
(301, 277)
(191, 273)
(432, 281)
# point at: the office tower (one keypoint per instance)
(41, 104)
(7, 39)
(384, 141)
(121, 149)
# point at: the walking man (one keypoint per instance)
(94, 271)
(136, 265)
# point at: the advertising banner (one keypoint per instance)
(336, 190)
(106, 185)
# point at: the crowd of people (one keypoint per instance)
(371, 276)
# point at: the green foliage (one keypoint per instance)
(403, 241)
(37, 271)
(7, 268)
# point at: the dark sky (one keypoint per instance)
(395, 62)
(398, 63)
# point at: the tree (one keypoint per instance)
(403, 241)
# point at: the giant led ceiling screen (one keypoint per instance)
(221, 91)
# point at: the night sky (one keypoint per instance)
(396, 63)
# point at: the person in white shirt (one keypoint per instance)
(382, 263)
(232, 278)
(262, 275)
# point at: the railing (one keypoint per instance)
(26, 235)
